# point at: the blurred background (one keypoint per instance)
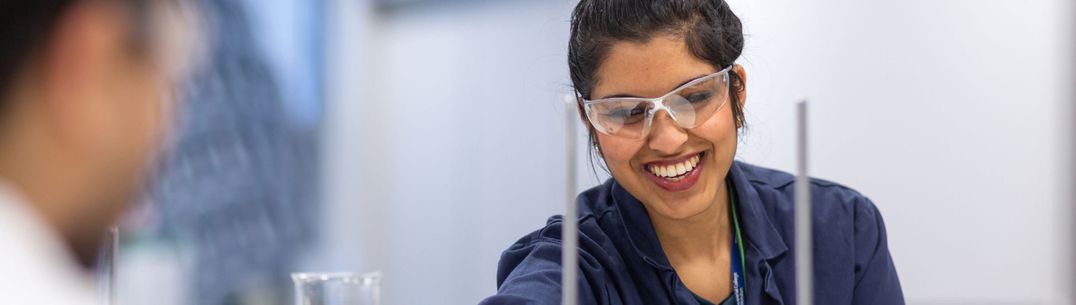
(420, 138)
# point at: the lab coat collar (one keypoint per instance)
(42, 269)
(763, 240)
(641, 233)
(762, 234)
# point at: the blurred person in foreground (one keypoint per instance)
(82, 114)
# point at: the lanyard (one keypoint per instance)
(738, 264)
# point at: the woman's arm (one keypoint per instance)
(530, 273)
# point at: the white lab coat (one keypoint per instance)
(35, 266)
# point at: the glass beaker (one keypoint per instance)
(340, 288)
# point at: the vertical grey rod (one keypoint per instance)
(804, 260)
(1071, 279)
(106, 272)
(570, 238)
(115, 245)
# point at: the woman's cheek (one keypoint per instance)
(618, 152)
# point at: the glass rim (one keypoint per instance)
(345, 277)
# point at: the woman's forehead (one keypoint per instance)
(647, 69)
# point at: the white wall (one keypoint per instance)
(951, 115)
(453, 146)
(444, 135)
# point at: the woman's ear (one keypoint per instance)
(741, 92)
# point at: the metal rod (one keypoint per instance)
(1071, 279)
(106, 266)
(804, 259)
(570, 238)
(115, 245)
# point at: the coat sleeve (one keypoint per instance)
(530, 273)
(876, 279)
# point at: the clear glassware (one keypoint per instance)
(340, 288)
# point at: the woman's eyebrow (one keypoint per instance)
(670, 90)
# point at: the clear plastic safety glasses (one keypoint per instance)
(688, 105)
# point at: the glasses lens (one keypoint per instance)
(619, 117)
(692, 106)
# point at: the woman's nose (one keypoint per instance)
(666, 136)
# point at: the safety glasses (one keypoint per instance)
(688, 105)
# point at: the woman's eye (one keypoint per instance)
(627, 113)
(699, 97)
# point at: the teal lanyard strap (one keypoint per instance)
(739, 242)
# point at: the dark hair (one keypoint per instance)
(710, 29)
(25, 26)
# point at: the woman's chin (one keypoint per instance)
(680, 209)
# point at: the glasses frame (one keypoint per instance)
(656, 104)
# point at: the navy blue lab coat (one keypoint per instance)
(622, 262)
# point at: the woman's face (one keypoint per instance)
(649, 70)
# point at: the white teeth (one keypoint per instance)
(676, 170)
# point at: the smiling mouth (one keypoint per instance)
(677, 171)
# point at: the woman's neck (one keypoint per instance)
(704, 236)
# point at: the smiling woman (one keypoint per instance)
(682, 222)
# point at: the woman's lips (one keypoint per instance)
(675, 175)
